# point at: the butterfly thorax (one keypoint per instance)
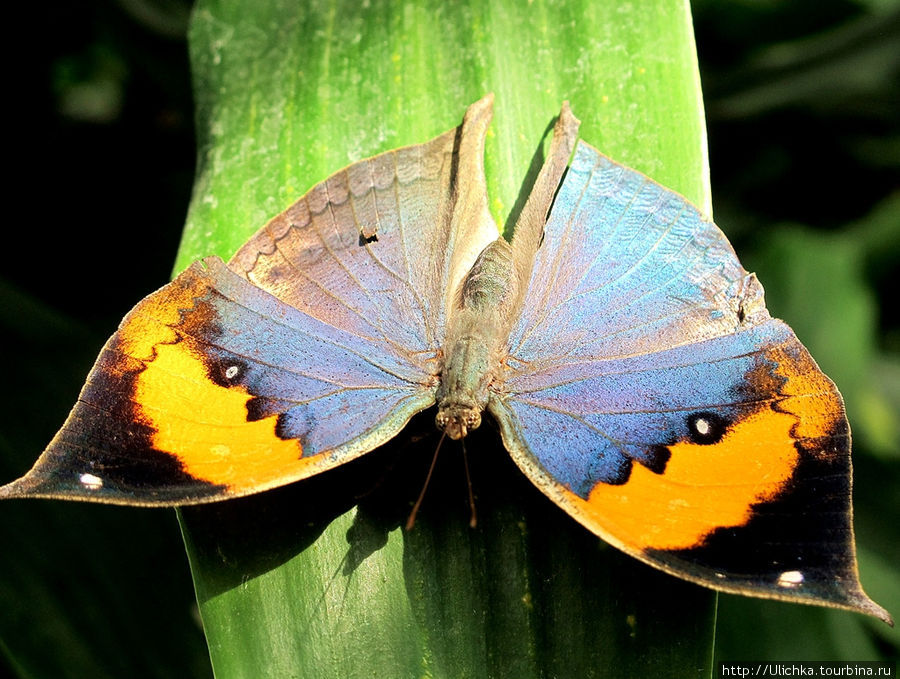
(477, 332)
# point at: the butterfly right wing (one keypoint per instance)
(648, 392)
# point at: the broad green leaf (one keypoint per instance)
(317, 579)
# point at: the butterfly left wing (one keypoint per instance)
(212, 388)
(648, 392)
(315, 344)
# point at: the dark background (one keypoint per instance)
(803, 107)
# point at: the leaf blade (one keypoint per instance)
(284, 99)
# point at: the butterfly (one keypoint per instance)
(626, 356)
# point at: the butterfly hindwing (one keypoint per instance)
(378, 248)
(649, 394)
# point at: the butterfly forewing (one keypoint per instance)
(211, 388)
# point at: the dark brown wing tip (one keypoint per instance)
(855, 599)
(869, 607)
(20, 488)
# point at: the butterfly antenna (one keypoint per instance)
(473, 517)
(411, 521)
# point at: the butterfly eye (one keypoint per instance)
(706, 428)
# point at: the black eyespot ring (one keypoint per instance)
(227, 372)
(706, 427)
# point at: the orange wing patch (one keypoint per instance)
(809, 394)
(711, 486)
(153, 320)
(704, 487)
(205, 426)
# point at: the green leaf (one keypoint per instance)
(317, 579)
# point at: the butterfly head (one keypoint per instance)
(456, 420)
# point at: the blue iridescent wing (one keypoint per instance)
(649, 394)
(378, 248)
(315, 344)
(212, 388)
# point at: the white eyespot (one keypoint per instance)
(702, 426)
(231, 372)
(91, 482)
(790, 579)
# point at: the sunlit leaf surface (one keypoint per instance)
(318, 579)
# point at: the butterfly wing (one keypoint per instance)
(213, 388)
(379, 248)
(648, 392)
(314, 345)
